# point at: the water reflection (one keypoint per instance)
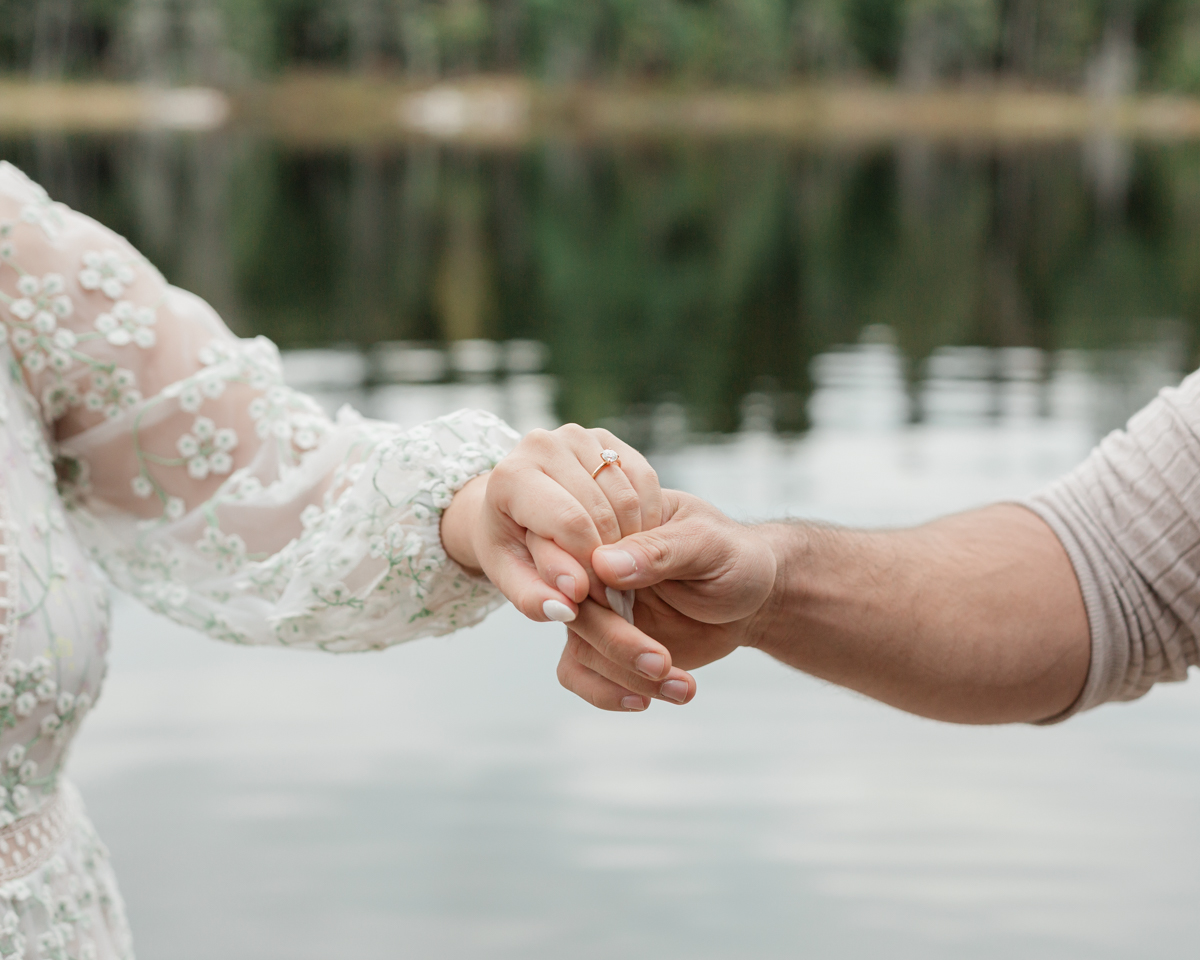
(690, 274)
(987, 420)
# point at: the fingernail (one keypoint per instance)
(622, 563)
(616, 600)
(674, 690)
(651, 665)
(557, 610)
(621, 603)
(566, 586)
(633, 703)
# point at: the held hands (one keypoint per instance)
(703, 583)
(564, 544)
(533, 523)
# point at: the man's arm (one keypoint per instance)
(975, 618)
(1090, 595)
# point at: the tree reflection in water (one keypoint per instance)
(686, 274)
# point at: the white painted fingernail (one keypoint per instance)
(566, 585)
(557, 610)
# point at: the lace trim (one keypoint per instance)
(31, 841)
(10, 565)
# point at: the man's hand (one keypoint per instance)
(972, 618)
(701, 579)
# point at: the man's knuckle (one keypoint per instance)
(657, 550)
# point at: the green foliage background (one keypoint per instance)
(742, 42)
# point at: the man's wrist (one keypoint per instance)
(762, 623)
(775, 620)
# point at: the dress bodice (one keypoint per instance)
(55, 622)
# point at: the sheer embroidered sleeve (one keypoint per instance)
(203, 485)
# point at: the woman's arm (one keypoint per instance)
(206, 487)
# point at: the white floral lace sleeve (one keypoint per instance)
(198, 481)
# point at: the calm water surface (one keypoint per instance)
(874, 338)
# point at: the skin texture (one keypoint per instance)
(973, 618)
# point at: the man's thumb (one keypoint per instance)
(640, 560)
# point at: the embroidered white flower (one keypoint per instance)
(22, 799)
(227, 551)
(36, 336)
(25, 704)
(112, 393)
(42, 302)
(206, 449)
(396, 543)
(16, 756)
(107, 272)
(126, 324)
(142, 487)
(58, 398)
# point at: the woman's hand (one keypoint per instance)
(542, 508)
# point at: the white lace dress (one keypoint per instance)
(196, 481)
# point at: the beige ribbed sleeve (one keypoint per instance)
(1129, 517)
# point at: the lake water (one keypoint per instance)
(869, 337)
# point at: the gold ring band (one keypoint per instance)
(607, 457)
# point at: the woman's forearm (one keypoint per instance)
(974, 618)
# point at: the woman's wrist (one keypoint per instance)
(461, 521)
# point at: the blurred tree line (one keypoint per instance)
(1109, 45)
(688, 272)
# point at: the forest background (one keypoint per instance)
(1147, 44)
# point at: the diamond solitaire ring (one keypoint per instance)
(607, 457)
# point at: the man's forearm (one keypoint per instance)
(973, 618)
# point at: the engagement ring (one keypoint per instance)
(606, 457)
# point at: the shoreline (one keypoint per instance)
(507, 112)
